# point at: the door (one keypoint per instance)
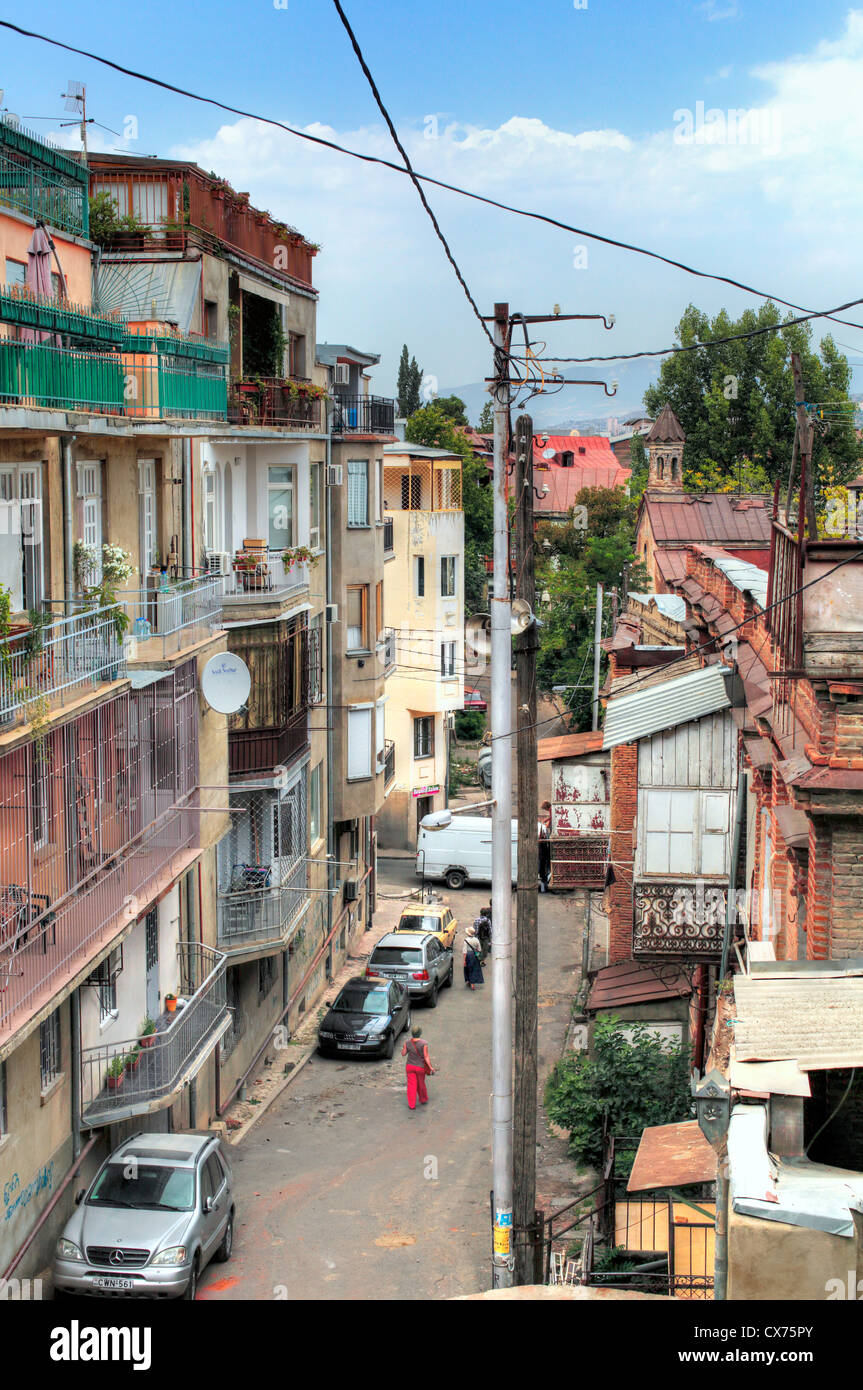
(151, 930)
(216, 1218)
(147, 513)
(425, 806)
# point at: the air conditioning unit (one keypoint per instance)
(334, 475)
(342, 374)
(351, 890)
(332, 612)
(218, 562)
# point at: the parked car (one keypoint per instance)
(474, 700)
(459, 852)
(435, 918)
(366, 1017)
(417, 960)
(483, 767)
(159, 1209)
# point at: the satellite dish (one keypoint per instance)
(226, 682)
(548, 453)
(477, 633)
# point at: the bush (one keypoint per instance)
(469, 725)
(634, 1083)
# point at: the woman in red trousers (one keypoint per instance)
(417, 1067)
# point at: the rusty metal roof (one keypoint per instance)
(642, 712)
(569, 745)
(672, 1156)
(816, 1019)
(671, 564)
(666, 428)
(638, 982)
(714, 517)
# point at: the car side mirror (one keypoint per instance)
(208, 1204)
(79, 1196)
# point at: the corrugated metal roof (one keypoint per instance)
(671, 564)
(714, 518)
(663, 706)
(748, 578)
(568, 745)
(637, 982)
(816, 1020)
(672, 1156)
(672, 605)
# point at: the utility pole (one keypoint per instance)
(526, 961)
(806, 507)
(597, 652)
(501, 827)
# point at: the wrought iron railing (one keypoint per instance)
(260, 750)
(275, 401)
(579, 861)
(363, 415)
(44, 665)
(170, 612)
(679, 921)
(154, 1066)
(263, 915)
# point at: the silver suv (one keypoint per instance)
(158, 1210)
(417, 960)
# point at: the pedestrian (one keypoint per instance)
(544, 846)
(472, 956)
(417, 1067)
(482, 931)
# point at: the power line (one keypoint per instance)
(398, 169)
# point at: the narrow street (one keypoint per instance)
(343, 1193)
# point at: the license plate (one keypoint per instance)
(351, 1047)
(114, 1283)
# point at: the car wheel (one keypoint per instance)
(224, 1251)
(390, 1047)
(191, 1291)
(407, 1025)
(448, 980)
(432, 999)
(455, 879)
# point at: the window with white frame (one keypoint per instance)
(21, 539)
(315, 803)
(105, 979)
(90, 514)
(447, 576)
(685, 831)
(316, 659)
(316, 506)
(447, 658)
(50, 1052)
(359, 743)
(147, 512)
(424, 736)
(280, 507)
(210, 491)
(358, 492)
(379, 475)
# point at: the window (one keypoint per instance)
(411, 492)
(211, 318)
(379, 611)
(358, 492)
(420, 575)
(147, 512)
(49, 1049)
(447, 576)
(90, 516)
(105, 978)
(315, 803)
(424, 736)
(316, 660)
(316, 508)
(359, 743)
(280, 508)
(266, 974)
(357, 625)
(379, 473)
(447, 658)
(686, 832)
(210, 508)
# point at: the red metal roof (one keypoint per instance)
(594, 464)
(672, 1156)
(671, 564)
(569, 745)
(716, 518)
(636, 982)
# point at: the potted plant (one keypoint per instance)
(133, 1058)
(116, 1072)
(298, 555)
(147, 1032)
(171, 1003)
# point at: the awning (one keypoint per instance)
(263, 290)
(142, 678)
(665, 705)
(163, 291)
(672, 1156)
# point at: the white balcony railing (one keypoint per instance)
(171, 612)
(263, 915)
(262, 576)
(47, 663)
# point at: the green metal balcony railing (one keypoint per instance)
(21, 307)
(42, 181)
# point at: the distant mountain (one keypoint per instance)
(585, 408)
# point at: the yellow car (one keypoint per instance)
(435, 918)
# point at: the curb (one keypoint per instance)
(238, 1134)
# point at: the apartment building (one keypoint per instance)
(424, 586)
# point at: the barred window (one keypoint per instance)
(424, 736)
(50, 1049)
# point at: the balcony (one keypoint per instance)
(169, 1057)
(273, 401)
(171, 615)
(42, 181)
(389, 763)
(679, 921)
(253, 917)
(363, 415)
(260, 750)
(389, 650)
(257, 574)
(41, 667)
(579, 861)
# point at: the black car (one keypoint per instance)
(366, 1018)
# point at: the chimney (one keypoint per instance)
(400, 426)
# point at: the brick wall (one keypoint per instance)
(624, 805)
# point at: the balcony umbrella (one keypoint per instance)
(38, 281)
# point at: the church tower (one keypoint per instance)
(665, 441)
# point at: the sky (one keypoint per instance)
(611, 116)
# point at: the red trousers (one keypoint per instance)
(416, 1086)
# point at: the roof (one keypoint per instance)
(569, 745)
(748, 578)
(793, 826)
(671, 564)
(664, 705)
(666, 428)
(672, 605)
(816, 1019)
(637, 982)
(330, 353)
(594, 464)
(404, 449)
(712, 517)
(672, 1156)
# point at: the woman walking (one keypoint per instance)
(472, 957)
(417, 1067)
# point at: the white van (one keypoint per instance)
(460, 852)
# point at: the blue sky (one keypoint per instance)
(571, 111)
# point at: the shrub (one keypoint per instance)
(469, 725)
(635, 1083)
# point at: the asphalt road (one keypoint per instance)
(343, 1193)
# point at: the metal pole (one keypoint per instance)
(597, 652)
(501, 827)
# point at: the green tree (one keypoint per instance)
(453, 407)
(485, 424)
(736, 401)
(408, 383)
(630, 1082)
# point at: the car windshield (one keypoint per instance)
(413, 922)
(361, 1001)
(144, 1186)
(396, 955)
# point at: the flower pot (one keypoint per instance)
(147, 1040)
(170, 1003)
(115, 1082)
(132, 1063)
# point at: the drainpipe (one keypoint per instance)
(67, 452)
(736, 839)
(331, 837)
(190, 936)
(188, 559)
(75, 1080)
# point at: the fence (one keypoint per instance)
(39, 193)
(254, 573)
(171, 614)
(44, 665)
(265, 914)
(363, 415)
(389, 761)
(275, 401)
